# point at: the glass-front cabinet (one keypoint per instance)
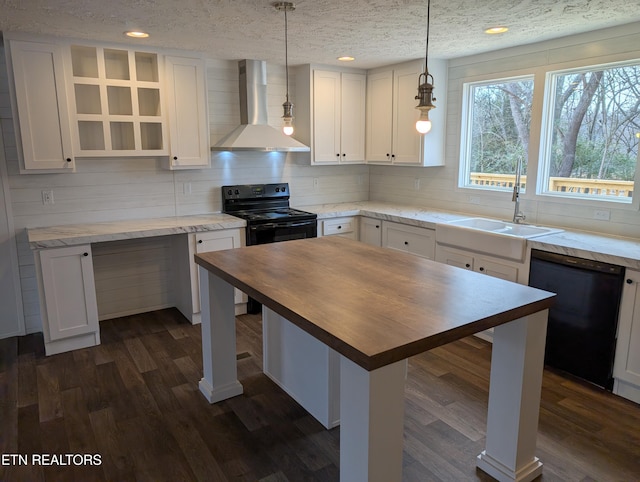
(117, 102)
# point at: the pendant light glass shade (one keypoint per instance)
(425, 96)
(287, 118)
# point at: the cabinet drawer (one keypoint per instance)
(411, 239)
(342, 226)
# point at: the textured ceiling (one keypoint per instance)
(375, 32)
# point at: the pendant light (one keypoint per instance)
(425, 88)
(287, 118)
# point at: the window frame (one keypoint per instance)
(546, 140)
(466, 128)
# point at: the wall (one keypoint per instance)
(113, 189)
(438, 186)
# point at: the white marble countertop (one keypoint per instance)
(86, 233)
(600, 247)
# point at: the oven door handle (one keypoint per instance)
(262, 227)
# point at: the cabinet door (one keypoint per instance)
(41, 104)
(497, 269)
(411, 239)
(454, 257)
(371, 231)
(407, 143)
(326, 117)
(187, 113)
(379, 117)
(627, 360)
(352, 117)
(217, 241)
(69, 292)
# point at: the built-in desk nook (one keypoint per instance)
(375, 308)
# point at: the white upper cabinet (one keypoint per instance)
(330, 114)
(89, 100)
(391, 136)
(187, 113)
(118, 106)
(39, 100)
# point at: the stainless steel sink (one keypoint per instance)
(491, 236)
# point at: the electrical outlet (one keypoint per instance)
(47, 197)
(186, 189)
(602, 214)
(416, 184)
(315, 183)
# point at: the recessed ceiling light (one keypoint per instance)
(496, 30)
(346, 58)
(136, 34)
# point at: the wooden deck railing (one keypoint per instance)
(593, 187)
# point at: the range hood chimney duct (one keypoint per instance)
(254, 133)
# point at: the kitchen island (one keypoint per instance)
(376, 308)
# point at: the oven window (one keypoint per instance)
(273, 233)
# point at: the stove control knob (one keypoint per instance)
(277, 189)
(229, 192)
(237, 192)
(282, 188)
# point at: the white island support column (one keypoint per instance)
(371, 422)
(517, 363)
(220, 373)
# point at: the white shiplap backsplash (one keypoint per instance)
(112, 189)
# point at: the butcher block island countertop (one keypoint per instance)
(373, 306)
(376, 307)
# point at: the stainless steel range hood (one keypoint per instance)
(254, 133)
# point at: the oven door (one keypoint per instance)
(284, 231)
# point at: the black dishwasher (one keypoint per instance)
(581, 334)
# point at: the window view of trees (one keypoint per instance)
(500, 116)
(596, 123)
(592, 134)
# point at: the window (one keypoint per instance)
(591, 129)
(495, 140)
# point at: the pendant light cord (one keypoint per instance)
(426, 54)
(286, 51)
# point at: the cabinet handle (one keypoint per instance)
(469, 266)
(481, 268)
(629, 281)
(199, 241)
(68, 159)
(85, 254)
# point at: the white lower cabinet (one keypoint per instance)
(188, 296)
(410, 239)
(626, 369)
(346, 227)
(477, 262)
(67, 298)
(370, 231)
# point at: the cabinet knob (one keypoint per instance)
(85, 254)
(469, 266)
(199, 241)
(629, 281)
(388, 154)
(406, 243)
(481, 268)
(68, 159)
(343, 154)
(338, 154)
(339, 227)
(393, 156)
(175, 158)
(377, 226)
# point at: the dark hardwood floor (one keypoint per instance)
(134, 401)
